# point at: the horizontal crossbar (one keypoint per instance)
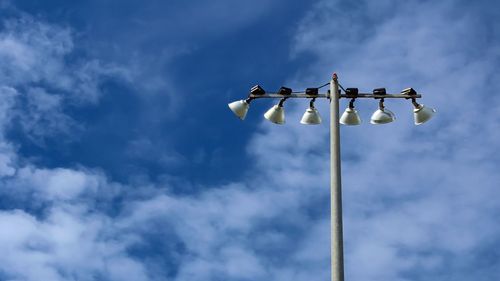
(359, 96)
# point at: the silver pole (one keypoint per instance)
(337, 251)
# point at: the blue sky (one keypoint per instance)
(119, 159)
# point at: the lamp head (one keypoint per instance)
(311, 117)
(276, 114)
(350, 117)
(382, 115)
(240, 108)
(422, 114)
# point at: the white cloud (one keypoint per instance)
(61, 184)
(36, 63)
(68, 244)
(48, 230)
(36, 52)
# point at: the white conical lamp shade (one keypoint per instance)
(240, 108)
(422, 114)
(382, 116)
(350, 117)
(311, 117)
(276, 114)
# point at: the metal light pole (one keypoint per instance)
(337, 245)
(381, 116)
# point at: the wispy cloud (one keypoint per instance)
(36, 63)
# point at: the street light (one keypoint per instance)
(311, 116)
(276, 114)
(382, 115)
(350, 117)
(422, 114)
(240, 108)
